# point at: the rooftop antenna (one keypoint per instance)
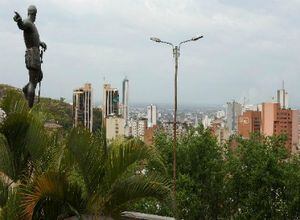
(244, 101)
(282, 84)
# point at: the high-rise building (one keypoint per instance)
(168, 128)
(277, 120)
(138, 128)
(110, 101)
(83, 107)
(151, 115)
(234, 110)
(125, 96)
(282, 97)
(249, 122)
(114, 127)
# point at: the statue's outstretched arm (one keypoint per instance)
(21, 24)
(18, 19)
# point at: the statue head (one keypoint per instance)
(32, 12)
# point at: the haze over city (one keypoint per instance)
(247, 50)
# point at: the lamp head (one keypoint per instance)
(155, 39)
(196, 38)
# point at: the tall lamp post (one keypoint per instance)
(176, 53)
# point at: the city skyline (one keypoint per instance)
(248, 49)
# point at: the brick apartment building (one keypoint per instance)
(277, 120)
(272, 120)
(249, 122)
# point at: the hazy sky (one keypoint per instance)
(248, 48)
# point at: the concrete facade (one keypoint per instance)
(110, 101)
(115, 127)
(234, 110)
(125, 99)
(151, 116)
(83, 107)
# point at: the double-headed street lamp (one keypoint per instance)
(176, 53)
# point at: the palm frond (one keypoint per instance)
(14, 129)
(54, 154)
(126, 156)
(23, 142)
(124, 180)
(6, 158)
(4, 190)
(36, 139)
(87, 156)
(11, 210)
(134, 188)
(13, 102)
(51, 195)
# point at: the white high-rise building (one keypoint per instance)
(151, 116)
(83, 107)
(125, 97)
(282, 97)
(110, 101)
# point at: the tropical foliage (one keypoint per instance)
(242, 179)
(46, 176)
(54, 175)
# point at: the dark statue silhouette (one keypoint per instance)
(33, 54)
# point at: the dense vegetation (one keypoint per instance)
(243, 179)
(52, 175)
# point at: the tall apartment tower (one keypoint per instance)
(282, 97)
(110, 101)
(83, 107)
(234, 110)
(125, 90)
(151, 116)
(277, 120)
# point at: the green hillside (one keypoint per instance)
(56, 111)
